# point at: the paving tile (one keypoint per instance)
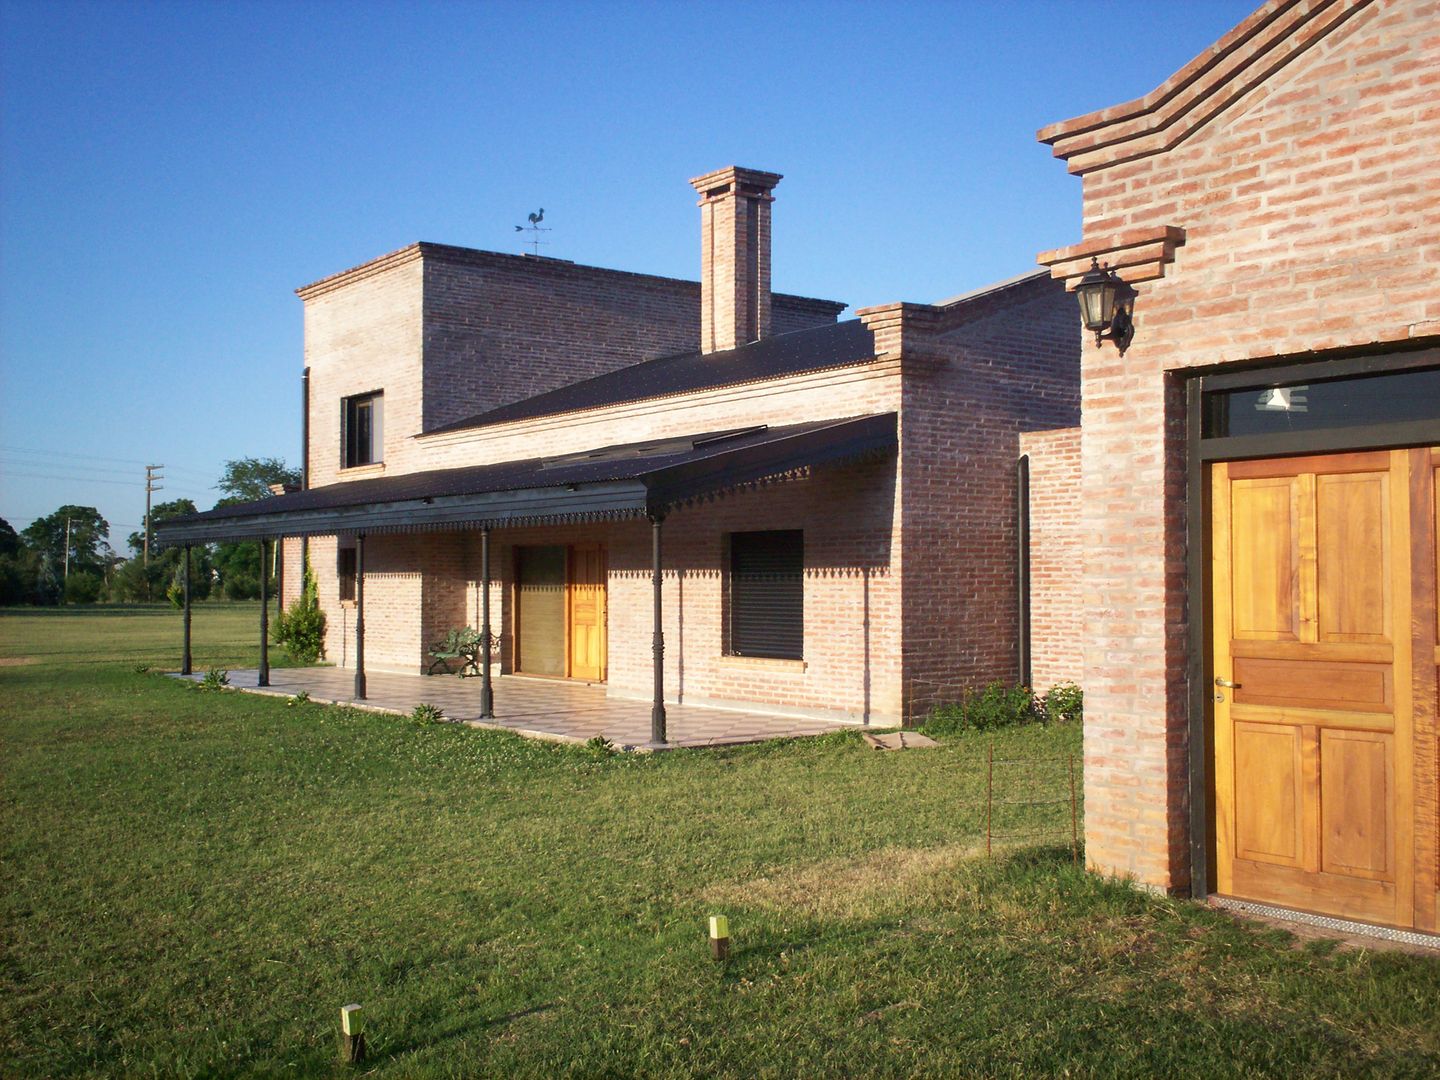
(538, 708)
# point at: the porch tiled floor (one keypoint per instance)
(540, 708)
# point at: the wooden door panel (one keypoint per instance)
(1314, 684)
(1270, 801)
(1352, 511)
(1357, 776)
(1265, 601)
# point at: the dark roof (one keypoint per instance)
(628, 480)
(833, 345)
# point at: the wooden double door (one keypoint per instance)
(1324, 667)
(561, 611)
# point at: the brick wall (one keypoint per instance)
(499, 328)
(362, 337)
(1057, 622)
(999, 365)
(1310, 204)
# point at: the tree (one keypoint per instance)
(248, 479)
(19, 568)
(245, 480)
(83, 531)
(136, 581)
(9, 538)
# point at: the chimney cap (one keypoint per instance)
(733, 177)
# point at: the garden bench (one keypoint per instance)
(464, 645)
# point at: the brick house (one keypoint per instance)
(829, 507)
(1257, 477)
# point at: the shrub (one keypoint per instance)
(1064, 702)
(82, 587)
(425, 713)
(997, 706)
(215, 679)
(176, 595)
(302, 629)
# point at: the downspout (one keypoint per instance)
(1022, 566)
(304, 464)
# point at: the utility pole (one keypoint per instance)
(67, 547)
(152, 474)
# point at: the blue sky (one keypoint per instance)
(170, 173)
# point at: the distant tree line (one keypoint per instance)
(66, 557)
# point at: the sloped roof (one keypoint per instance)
(816, 349)
(626, 480)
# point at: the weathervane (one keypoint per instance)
(534, 230)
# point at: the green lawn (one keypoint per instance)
(195, 883)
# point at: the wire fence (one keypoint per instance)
(1032, 800)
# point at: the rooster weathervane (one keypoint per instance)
(535, 229)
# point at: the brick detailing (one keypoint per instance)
(1057, 624)
(1250, 54)
(1137, 255)
(734, 256)
(1310, 198)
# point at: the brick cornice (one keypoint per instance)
(1139, 254)
(450, 254)
(719, 183)
(407, 254)
(1249, 54)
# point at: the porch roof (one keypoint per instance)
(629, 480)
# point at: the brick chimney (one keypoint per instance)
(734, 256)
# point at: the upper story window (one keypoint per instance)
(362, 430)
(767, 594)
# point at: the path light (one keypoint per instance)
(1105, 303)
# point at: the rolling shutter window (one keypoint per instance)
(767, 594)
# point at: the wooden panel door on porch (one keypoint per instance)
(1324, 616)
(586, 601)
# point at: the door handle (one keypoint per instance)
(1226, 683)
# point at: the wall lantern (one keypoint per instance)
(1105, 305)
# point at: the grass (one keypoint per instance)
(194, 883)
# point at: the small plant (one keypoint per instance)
(302, 629)
(600, 744)
(215, 679)
(1065, 702)
(175, 593)
(425, 713)
(997, 706)
(299, 698)
(141, 669)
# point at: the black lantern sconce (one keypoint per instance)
(1105, 305)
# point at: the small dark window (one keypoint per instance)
(362, 430)
(345, 569)
(767, 594)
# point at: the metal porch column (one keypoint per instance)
(657, 707)
(263, 678)
(359, 616)
(185, 662)
(487, 693)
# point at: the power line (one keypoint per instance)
(75, 479)
(66, 465)
(91, 457)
